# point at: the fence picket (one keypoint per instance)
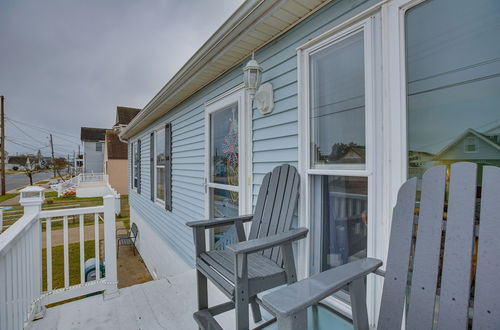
(97, 259)
(82, 248)
(66, 251)
(48, 249)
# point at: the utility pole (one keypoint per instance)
(53, 159)
(68, 165)
(2, 142)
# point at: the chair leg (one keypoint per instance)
(202, 291)
(257, 316)
(118, 251)
(241, 310)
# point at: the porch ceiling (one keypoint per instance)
(251, 27)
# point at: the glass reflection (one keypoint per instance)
(224, 145)
(224, 204)
(338, 103)
(453, 83)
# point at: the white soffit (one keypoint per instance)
(254, 24)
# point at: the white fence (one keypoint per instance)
(22, 293)
(75, 181)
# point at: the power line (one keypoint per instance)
(22, 131)
(44, 129)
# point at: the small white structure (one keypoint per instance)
(32, 198)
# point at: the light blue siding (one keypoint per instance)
(275, 139)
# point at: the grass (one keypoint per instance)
(58, 263)
(7, 196)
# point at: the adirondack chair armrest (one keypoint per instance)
(256, 245)
(219, 222)
(297, 297)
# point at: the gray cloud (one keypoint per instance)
(66, 63)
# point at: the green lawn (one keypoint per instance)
(58, 264)
(7, 196)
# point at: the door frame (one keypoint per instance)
(239, 96)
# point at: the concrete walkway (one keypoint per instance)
(74, 234)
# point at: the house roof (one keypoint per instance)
(115, 148)
(92, 134)
(254, 24)
(469, 131)
(17, 160)
(125, 114)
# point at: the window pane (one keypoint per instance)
(453, 83)
(160, 183)
(160, 147)
(98, 146)
(343, 217)
(225, 204)
(337, 92)
(224, 147)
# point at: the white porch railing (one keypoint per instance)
(22, 297)
(93, 177)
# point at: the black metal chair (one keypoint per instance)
(127, 239)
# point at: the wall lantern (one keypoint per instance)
(252, 75)
(263, 95)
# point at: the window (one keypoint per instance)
(163, 166)
(452, 82)
(339, 128)
(98, 146)
(160, 165)
(470, 145)
(136, 165)
(337, 105)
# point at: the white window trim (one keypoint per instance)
(158, 201)
(368, 26)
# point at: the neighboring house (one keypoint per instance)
(124, 116)
(363, 73)
(115, 151)
(115, 162)
(93, 149)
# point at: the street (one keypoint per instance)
(13, 181)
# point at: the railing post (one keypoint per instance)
(118, 206)
(110, 246)
(31, 199)
(1, 219)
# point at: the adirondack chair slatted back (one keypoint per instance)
(276, 202)
(450, 310)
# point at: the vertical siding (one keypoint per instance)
(275, 139)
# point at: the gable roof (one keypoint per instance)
(468, 131)
(92, 134)
(125, 114)
(115, 148)
(252, 26)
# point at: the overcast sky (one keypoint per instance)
(67, 63)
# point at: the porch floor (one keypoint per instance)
(161, 304)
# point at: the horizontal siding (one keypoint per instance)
(275, 136)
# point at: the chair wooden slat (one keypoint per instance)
(487, 292)
(456, 276)
(287, 223)
(287, 200)
(393, 296)
(259, 207)
(269, 204)
(426, 260)
(278, 205)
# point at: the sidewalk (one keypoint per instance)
(74, 234)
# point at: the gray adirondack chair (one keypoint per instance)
(466, 292)
(264, 261)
